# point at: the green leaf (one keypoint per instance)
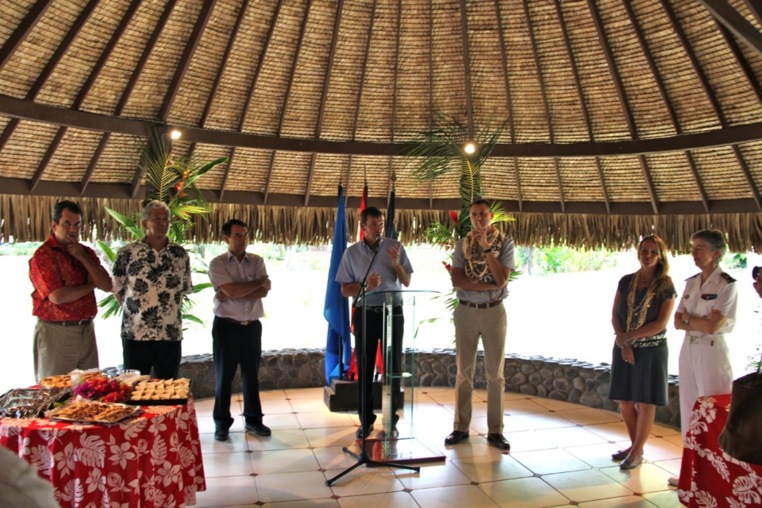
(107, 250)
(197, 288)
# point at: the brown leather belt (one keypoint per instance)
(81, 322)
(241, 323)
(487, 305)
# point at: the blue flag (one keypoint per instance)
(389, 230)
(336, 310)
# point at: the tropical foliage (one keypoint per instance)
(171, 180)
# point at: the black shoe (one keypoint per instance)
(368, 428)
(221, 434)
(259, 429)
(620, 455)
(456, 437)
(499, 441)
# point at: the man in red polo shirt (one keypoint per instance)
(64, 274)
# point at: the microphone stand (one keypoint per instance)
(362, 457)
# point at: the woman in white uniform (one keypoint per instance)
(707, 313)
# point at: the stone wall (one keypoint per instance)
(558, 379)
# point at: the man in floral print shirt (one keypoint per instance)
(151, 277)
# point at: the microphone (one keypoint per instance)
(377, 246)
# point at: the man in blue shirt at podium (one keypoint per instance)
(388, 269)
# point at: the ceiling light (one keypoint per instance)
(175, 134)
(469, 148)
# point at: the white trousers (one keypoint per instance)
(704, 370)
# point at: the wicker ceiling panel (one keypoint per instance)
(607, 106)
(26, 149)
(119, 160)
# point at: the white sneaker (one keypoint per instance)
(673, 481)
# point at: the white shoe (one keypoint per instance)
(673, 481)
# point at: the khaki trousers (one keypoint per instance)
(60, 349)
(470, 324)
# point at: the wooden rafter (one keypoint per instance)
(220, 71)
(733, 21)
(546, 105)
(756, 9)
(704, 80)
(743, 64)
(324, 96)
(19, 35)
(182, 66)
(247, 104)
(160, 24)
(287, 95)
(626, 111)
(395, 75)
(467, 70)
(508, 99)
(21, 109)
(665, 98)
(62, 49)
(582, 102)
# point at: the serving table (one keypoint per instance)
(708, 475)
(151, 460)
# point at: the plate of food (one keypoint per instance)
(160, 392)
(88, 411)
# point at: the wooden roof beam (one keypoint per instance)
(247, 102)
(221, 70)
(582, 102)
(723, 12)
(87, 86)
(606, 47)
(22, 109)
(508, 98)
(27, 25)
(546, 105)
(665, 98)
(756, 9)
(710, 95)
(324, 95)
(182, 66)
(150, 44)
(61, 50)
(467, 70)
(395, 75)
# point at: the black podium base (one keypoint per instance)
(342, 395)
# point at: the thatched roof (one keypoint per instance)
(622, 115)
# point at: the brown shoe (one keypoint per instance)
(456, 437)
(499, 441)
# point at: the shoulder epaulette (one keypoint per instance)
(727, 277)
(693, 276)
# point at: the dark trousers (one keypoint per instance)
(161, 355)
(233, 345)
(374, 331)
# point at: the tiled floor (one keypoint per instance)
(560, 457)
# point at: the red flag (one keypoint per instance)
(363, 204)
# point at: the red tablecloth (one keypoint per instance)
(153, 460)
(709, 477)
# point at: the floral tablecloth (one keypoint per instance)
(153, 460)
(709, 477)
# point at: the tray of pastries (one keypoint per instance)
(87, 411)
(160, 392)
(30, 402)
(60, 381)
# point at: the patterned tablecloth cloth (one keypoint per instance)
(709, 477)
(152, 460)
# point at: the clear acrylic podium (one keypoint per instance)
(396, 442)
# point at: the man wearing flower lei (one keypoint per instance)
(642, 308)
(481, 265)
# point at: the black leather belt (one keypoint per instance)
(81, 322)
(487, 305)
(240, 323)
